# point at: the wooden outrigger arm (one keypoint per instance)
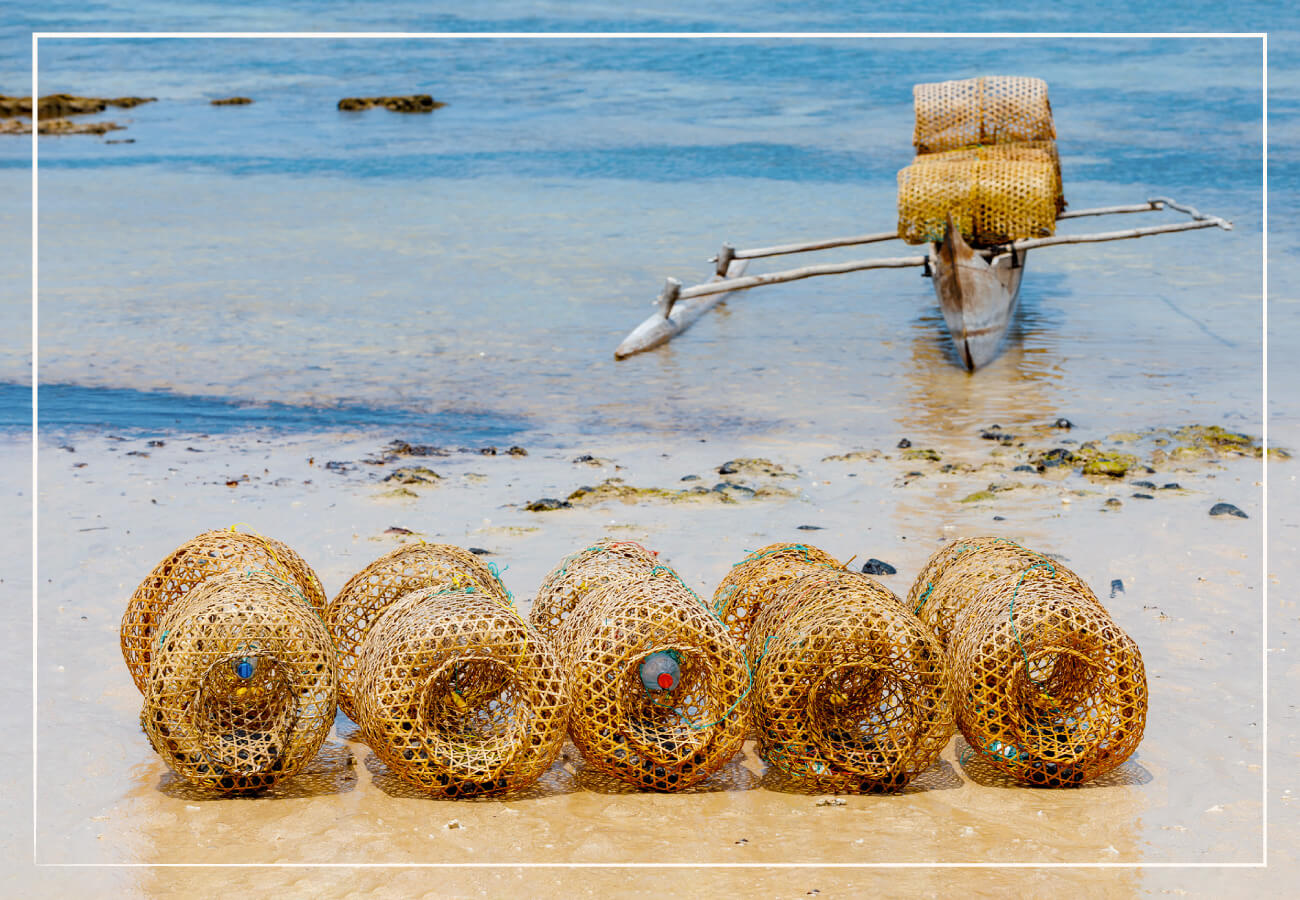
(678, 307)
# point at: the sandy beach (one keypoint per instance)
(110, 508)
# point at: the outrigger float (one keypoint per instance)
(964, 220)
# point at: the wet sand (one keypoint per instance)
(1193, 792)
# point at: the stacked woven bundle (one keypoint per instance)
(760, 578)
(660, 688)
(242, 687)
(852, 692)
(1050, 690)
(986, 154)
(458, 695)
(210, 554)
(566, 585)
(363, 600)
(994, 109)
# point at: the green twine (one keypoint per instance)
(1011, 612)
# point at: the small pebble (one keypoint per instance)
(832, 801)
(1062, 423)
(1171, 486)
(810, 528)
(1116, 587)
(397, 529)
(548, 503)
(487, 451)
(453, 824)
(875, 566)
(517, 451)
(1024, 469)
(684, 477)
(479, 551)
(585, 458)
(904, 444)
(1227, 509)
(1143, 484)
(999, 518)
(1142, 496)
(1113, 503)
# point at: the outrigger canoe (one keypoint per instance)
(977, 289)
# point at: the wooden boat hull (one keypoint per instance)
(978, 297)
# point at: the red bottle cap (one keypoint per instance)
(665, 680)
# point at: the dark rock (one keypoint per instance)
(68, 447)
(723, 487)
(1142, 496)
(58, 105)
(1024, 469)
(157, 444)
(999, 518)
(397, 529)
(1143, 484)
(121, 141)
(1227, 509)
(904, 444)
(690, 478)
(402, 448)
(995, 433)
(66, 126)
(1171, 486)
(585, 458)
(809, 528)
(137, 453)
(409, 103)
(412, 475)
(548, 503)
(1057, 456)
(517, 451)
(875, 566)
(728, 468)
(233, 101)
(479, 551)
(1116, 587)
(193, 450)
(340, 466)
(1062, 423)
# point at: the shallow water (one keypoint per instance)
(488, 257)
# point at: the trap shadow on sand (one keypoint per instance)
(939, 777)
(554, 782)
(1130, 773)
(332, 771)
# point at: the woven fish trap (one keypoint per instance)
(943, 592)
(1050, 690)
(243, 685)
(1020, 151)
(994, 109)
(566, 585)
(759, 578)
(363, 600)
(991, 201)
(459, 696)
(656, 739)
(852, 692)
(190, 565)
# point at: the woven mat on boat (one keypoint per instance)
(992, 201)
(994, 109)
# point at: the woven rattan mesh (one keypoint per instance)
(994, 109)
(666, 740)
(243, 684)
(564, 587)
(955, 574)
(991, 201)
(459, 696)
(759, 578)
(356, 608)
(852, 692)
(1021, 151)
(1050, 690)
(189, 565)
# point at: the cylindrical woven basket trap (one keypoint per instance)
(361, 603)
(243, 685)
(568, 583)
(759, 578)
(1020, 151)
(852, 693)
(991, 201)
(190, 565)
(953, 576)
(1050, 690)
(995, 109)
(659, 740)
(458, 695)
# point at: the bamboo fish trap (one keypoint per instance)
(190, 565)
(852, 693)
(662, 729)
(243, 684)
(458, 695)
(993, 109)
(1050, 689)
(363, 600)
(566, 585)
(760, 578)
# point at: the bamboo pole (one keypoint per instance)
(751, 281)
(803, 247)
(1031, 243)
(1149, 206)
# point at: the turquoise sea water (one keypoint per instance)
(477, 265)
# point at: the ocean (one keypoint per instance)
(465, 275)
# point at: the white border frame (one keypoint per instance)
(621, 35)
